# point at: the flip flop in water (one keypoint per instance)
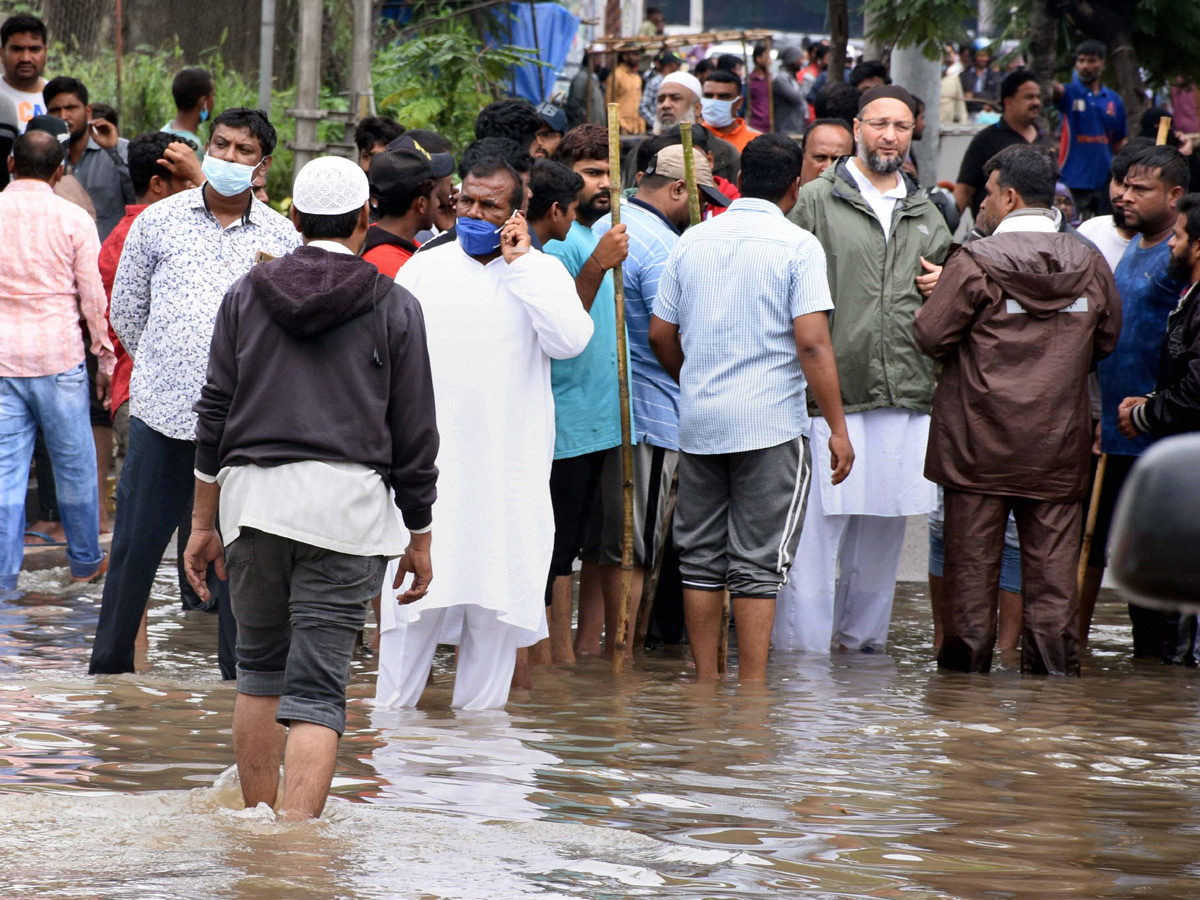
(45, 540)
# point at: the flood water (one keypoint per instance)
(860, 776)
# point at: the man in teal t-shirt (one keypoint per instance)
(587, 414)
(194, 93)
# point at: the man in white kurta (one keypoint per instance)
(883, 238)
(496, 313)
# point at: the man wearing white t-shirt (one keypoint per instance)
(23, 41)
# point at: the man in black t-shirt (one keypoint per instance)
(1021, 99)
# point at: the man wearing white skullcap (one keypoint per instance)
(679, 100)
(317, 412)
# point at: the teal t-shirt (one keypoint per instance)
(587, 410)
(194, 138)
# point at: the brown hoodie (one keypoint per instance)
(1018, 320)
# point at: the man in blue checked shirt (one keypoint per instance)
(741, 322)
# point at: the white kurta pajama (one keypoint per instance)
(492, 331)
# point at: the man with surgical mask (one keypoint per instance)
(496, 311)
(678, 102)
(180, 257)
(720, 104)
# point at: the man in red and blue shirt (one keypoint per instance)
(1094, 128)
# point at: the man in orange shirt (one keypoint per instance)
(625, 89)
(720, 104)
(404, 180)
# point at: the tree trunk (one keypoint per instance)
(839, 35)
(612, 18)
(872, 48)
(1044, 21)
(1112, 23)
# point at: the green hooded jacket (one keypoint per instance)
(873, 285)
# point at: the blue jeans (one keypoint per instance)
(58, 404)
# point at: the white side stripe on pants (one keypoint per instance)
(782, 557)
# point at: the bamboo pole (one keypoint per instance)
(619, 639)
(770, 87)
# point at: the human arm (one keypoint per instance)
(104, 133)
(945, 318)
(963, 195)
(1173, 409)
(814, 346)
(220, 384)
(612, 249)
(181, 162)
(93, 302)
(666, 345)
(546, 290)
(130, 308)
(785, 87)
(204, 545)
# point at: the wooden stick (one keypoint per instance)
(770, 88)
(689, 172)
(1164, 130)
(619, 639)
(1085, 548)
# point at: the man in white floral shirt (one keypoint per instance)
(180, 257)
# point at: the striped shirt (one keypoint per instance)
(733, 285)
(654, 393)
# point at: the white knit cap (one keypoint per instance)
(683, 79)
(330, 186)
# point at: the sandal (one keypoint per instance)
(45, 540)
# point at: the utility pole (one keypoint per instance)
(266, 55)
(922, 77)
(362, 96)
(308, 85)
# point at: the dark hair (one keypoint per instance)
(771, 163)
(648, 149)
(700, 136)
(315, 227)
(488, 166)
(145, 151)
(64, 84)
(190, 87)
(836, 100)
(871, 68)
(702, 68)
(1172, 165)
(1189, 205)
(1012, 83)
(918, 104)
(817, 123)
(517, 157)
(551, 182)
(583, 142)
(37, 154)
(759, 50)
(653, 11)
(721, 76)
(1125, 157)
(398, 202)
(1091, 48)
(377, 130)
(430, 140)
(1026, 170)
(728, 62)
(253, 120)
(105, 112)
(516, 120)
(23, 24)
(1150, 120)
(820, 51)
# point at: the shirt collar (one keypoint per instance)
(634, 201)
(29, 184)
(331, 246)
(1029, 219)
(755, 204)
(252, 215)
(377, 237)
(900, 191)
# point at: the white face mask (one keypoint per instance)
(718, 113)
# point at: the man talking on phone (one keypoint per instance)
(95, 155)
(496, 312)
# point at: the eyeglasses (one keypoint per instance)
(884, 124)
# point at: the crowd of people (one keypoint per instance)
(425, 341)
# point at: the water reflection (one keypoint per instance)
(860, 776)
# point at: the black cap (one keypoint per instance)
(554, 117)
(411, 162)
(51, 125)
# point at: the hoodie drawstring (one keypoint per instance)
(375, 312)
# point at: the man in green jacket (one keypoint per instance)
(883, 239)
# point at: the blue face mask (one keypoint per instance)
(204, 115)
(227, 178)
(477, 237)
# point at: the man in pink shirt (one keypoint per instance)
(50, 253)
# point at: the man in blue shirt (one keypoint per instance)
(741, 322)
(587, 410)
(1093, 129)
(1157, 178)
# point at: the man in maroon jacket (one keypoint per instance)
(1018, 319)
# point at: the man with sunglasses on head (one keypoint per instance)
(882, 237)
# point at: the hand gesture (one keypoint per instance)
(104, 133)
(613, 247)
(204, 547)
(1125, 416)
(927, 282)
(514, 237)
(181, 162)
(841, 456)
(415, 561)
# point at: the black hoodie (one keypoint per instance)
(316, 356)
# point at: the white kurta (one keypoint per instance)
(492, 331)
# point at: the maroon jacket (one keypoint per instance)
(1018, 320)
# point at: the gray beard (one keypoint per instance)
(881, 166)
(659, 127)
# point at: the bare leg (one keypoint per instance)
(1087, 602)
(702, 613)
(754, 617)
(103, 438)
(375, 605)
(142, 641)
(258, 747)
(521, 675)
(539, 653)
(561, 648)
(591, 611)
(1011, 612)
(935, 602)
(308, 766)
(612, 606)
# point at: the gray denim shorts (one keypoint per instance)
(299, 609)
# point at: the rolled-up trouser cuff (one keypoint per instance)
(301, 709)
(260, 684)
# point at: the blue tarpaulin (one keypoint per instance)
(556, 28)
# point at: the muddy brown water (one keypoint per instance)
(860, 776)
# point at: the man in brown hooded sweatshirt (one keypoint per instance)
(1018, 319)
